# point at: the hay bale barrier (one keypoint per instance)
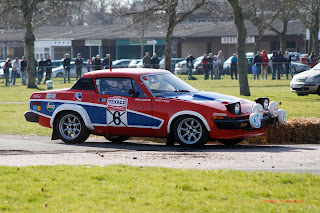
(295, 131)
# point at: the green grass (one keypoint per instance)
(140, 189)
(12, 120)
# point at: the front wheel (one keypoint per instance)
(294, 70)
(190, 131)
(116, 139)
(318, 91)
(71, 128)
(231, 142)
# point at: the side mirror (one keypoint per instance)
(131, 92)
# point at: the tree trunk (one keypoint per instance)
(29, 39)
(316, 31)
(242, 61)
(171, 25)
(283, 36)
(257, 43)
(310, 44)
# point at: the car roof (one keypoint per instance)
(124, 72)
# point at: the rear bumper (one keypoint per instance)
(242, 123)
(31, 116)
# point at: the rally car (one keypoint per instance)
(121, 103)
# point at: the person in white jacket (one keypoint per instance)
(15, 67)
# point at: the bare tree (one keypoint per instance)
(261, 14)
(241, 44)
(308, 13)
(34, 13)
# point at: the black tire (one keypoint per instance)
(70, 128)
(294, 70)
(301, 94)
(59, 75)
(231, 142)
(318, 91)
(116, 139)
(190, 131)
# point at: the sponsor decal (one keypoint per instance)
(77, 96)
(219, 114)
(161, 101)
(36, 96)
(51, 96)
(140, 99)
(257, 121)
(117, 111)
(36, 106)
(50, 106)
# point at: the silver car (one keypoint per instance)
(58, 71)
(307, 82)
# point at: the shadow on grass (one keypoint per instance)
(160, 147)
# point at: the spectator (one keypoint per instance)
(287, 63)
(66, 67)
(92, 63)
(78, 64)
(48, 64)
(97, 63)
(210, 60)
(275, 71)
(23, 66)
(42, 66)
(206, 66)
(89, 64)
(215, 67)
(220, 60)
(264, 65)
(257, 62)
(234, 66)
(146, 60)
(6, 67)
(313, 59)
(154, 61)
(190, 59)
(107, 62)
(15, 66)
(280, 63)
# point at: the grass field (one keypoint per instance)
(12, 120)
(139, 189)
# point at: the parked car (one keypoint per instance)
(58, 71)
(181, 68)
(151, 103)
(307, 82)
(134, 63)
(174, 61)
(10, 71)
(121, 63)
(227, 63)
(296, 65)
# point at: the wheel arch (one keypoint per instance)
(186, 112)
(72, 107)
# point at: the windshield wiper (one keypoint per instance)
(181, 90)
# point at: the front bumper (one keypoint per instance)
(304, 88)
(242, 123)
(31, 116)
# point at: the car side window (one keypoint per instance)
(119, 86)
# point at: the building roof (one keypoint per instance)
(183, 30)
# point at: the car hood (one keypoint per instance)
(214, 100)
(309, 73)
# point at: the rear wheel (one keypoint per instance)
(71, 128)
(230, 142)
(190, 131)
(116, 139)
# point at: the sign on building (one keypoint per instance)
(93, 42)
(234, 40)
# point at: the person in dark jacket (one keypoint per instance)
(257, 62)
(206, 66)
(41, 68)
(107, 62)
(78, 64)
(66, 67)
(313, 59)
(48, 64)
(146, 60)
(24, 65)
(190, 60)
(97, 63)
(154, 61)
(210, 60)
(6, 67)
(274, 60)
(287, 63)
(280, 64)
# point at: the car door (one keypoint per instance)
(128, 111)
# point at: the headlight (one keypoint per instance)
(273, 109)
(258, 109)
(234, 108)
(309, 80)
(263, 101)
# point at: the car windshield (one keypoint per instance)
(166, 84)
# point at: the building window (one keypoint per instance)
(291, 44)
(60, 52)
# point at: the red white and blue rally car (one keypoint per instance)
(149, 102)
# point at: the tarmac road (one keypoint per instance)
(17, 150)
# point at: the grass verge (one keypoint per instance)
(140, 189)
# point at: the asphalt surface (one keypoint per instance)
(17, 150)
